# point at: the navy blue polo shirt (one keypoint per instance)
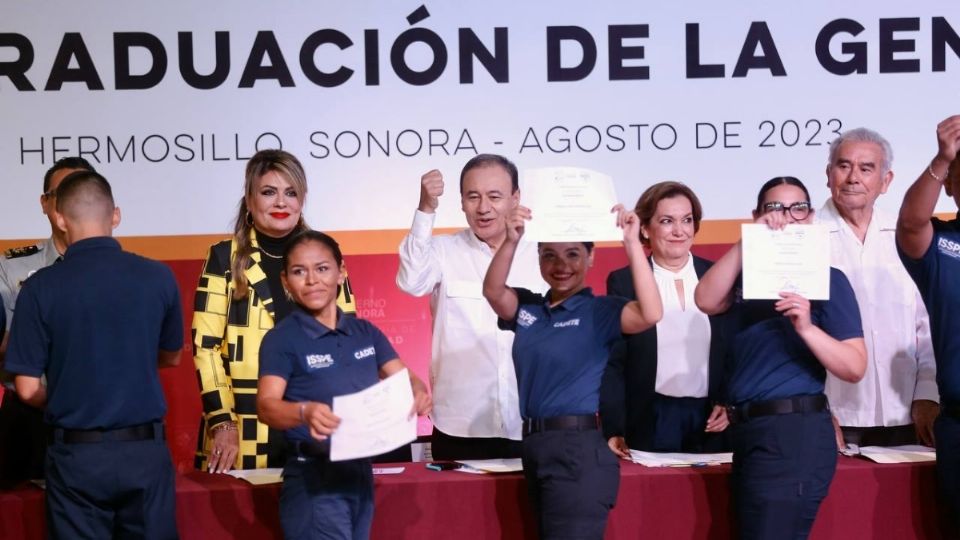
(937, 275)
(560, 353)
(769, 360)
(94, 324)
(319, 363)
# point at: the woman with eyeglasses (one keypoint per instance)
(784, 448)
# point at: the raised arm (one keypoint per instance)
(914, 230)
(419, 269)
(502, 298)
(714, 292)
(647, 310)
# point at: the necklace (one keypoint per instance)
(271, 255)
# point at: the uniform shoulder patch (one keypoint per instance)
(25, 251)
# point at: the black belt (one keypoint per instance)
(797, 404)
(307, 449)
(579, 422)
(950, 409)
(142, 432)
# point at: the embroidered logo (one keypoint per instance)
(525, 318)
(564, 324)
(363, 353)
(949, 248)
(317, 361)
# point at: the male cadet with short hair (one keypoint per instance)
(98, 325)
(896, 401)
(23, 436)
(930, 250)
(476, 411)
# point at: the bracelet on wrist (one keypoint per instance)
(934, 176)
(303, 407)
(224, 426)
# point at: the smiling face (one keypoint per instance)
(855, 177)
(563, 266)
(487, 197)
(671, 230)
(274, 205)
(787, 195)
(312, 276)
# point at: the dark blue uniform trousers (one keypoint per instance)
(572, 480)
(782, 468)
(324, 500)
(946, 430)
(110, 489)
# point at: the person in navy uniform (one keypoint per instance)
(930, 251)
(98, 325)
(662, 390)
(23, 435)
(311, 356)
(784, 447)
(562, 344)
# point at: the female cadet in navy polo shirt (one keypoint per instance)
(561, 348)
(784, 446)
(308, 358)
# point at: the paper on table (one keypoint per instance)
(675, 459)
(258, 476)
(569, 204)
(388, 470)
(911, 453)
(795, 259)
(493, 465)
(374, 420)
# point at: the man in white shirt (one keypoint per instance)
(476, 414)
(897, 400)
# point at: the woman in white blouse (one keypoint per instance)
(662, 390)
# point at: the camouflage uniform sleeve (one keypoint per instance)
(209, 328)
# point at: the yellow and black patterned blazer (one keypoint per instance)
(226, 346)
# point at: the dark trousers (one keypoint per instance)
(324, 500)
(23, 441)
(572, 480)
(782, 468)
(880, 435)
(679, 424)
(111, 489)
(445, 447)
(946, 429)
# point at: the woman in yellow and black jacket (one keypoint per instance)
(239, 297)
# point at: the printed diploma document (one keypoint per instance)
(569, 204)
(795, 259)
(374, 420)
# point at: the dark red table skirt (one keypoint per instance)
(866, 500)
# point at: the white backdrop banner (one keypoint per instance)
(168, 99)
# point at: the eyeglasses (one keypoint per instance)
(798, 210)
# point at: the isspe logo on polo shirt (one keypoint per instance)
(363, 353)
(318, 361)
(525, 318)
(949, 248)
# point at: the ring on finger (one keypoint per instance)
(218, 452)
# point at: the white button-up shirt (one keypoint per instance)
(471, 373)
(896, 329)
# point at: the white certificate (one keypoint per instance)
(374, 420)
(795, 259)
(569, 204)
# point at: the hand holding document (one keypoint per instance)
(793, 259)
(569, 204)
(374, 420)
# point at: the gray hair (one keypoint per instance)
(864, 135)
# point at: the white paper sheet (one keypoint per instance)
(569, 204)
(795, 259)
(492, 465)
(676, 459)
(374, 420)
(258, 476)
(912, 453)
